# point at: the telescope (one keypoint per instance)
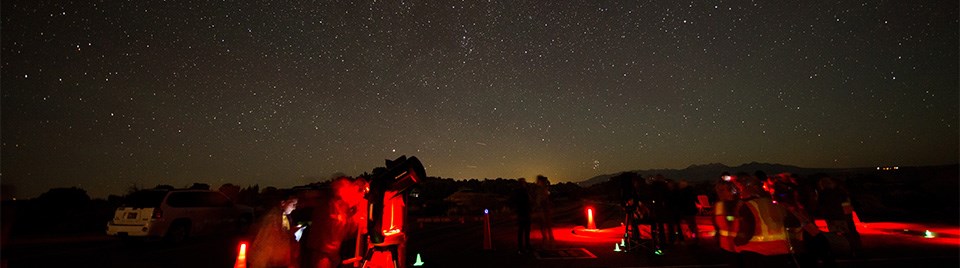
(386, 210)
(401, 175)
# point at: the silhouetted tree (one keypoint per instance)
(72, 196)
(59, 210)
(270, 196)
(230, 190)
(133, 189)
(249, 196)
(565, 190)
(164, 187)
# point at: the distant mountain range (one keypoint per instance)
(697, 173)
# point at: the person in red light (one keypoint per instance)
(723, 218)
(809, 243)
(761, 226)
(334, 219)
(275, 243)
(837, 210)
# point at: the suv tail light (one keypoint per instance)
(157, 213)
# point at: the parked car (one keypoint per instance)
(177, 214)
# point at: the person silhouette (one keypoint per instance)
(541, 199)
(520, 201)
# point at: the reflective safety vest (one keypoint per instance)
(769, 235)
(723, 217)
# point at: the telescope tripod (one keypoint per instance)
(632, 239)
(394, 250)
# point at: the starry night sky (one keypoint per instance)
(104, 95)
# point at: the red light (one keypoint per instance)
(392, 213)
(157, 213)
(590, 222)
(241, 256)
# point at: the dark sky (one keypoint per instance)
(104, 95)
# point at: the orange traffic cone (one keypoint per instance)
(241, 257)
(590, 223)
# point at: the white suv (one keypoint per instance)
(177, 214)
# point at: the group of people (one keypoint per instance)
(760, 220)
(766, 221)
(320, 224)
(663, 204)
(532, 202)
(309, 226)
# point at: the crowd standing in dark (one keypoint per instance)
(528, 201)
(759, 220)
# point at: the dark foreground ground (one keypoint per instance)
(456, 244)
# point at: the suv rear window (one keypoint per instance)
(145, 199)
(198, 199)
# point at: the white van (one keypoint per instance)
(177, 214)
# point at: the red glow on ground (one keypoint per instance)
(942, 234)
(585, 235)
